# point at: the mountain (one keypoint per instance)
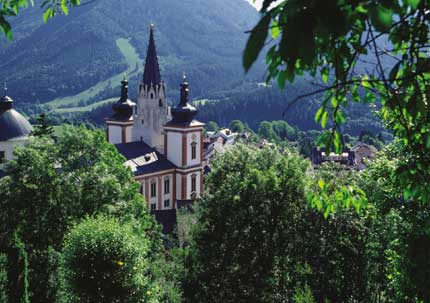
(84, 54)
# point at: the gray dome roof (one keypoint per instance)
(12, 124)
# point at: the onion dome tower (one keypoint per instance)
(119, 126)
(184, 146)
(152, 110)
(184, 113)
(14, 128)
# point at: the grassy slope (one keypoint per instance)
(132, 59)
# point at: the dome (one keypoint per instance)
(123, 108)
(12, 124)
(184, 112)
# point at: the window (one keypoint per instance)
(153, 206)
(152, 96)
(160, 103)
(167, 185)
(167, 203)
(2, 156)
(142, 188)
(153, 189)
(193, 183)
(142, 121)
(193, 150)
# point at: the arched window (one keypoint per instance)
(193, 183)
(193, 150)
(152, 95)
(167, 185)
(153, 189)
(160, 102)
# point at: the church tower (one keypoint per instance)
(152, 111)
(184, 147)
(119, 126)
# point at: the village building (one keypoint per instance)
(163, 146)
(14, 130)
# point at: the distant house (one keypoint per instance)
(363, 152)
(319, 156)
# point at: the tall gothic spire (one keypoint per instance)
(151, 74)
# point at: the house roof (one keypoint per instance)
(143, 159)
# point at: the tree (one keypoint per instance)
(105, 261)
(43, 128)
(330, 39)
(11, 8)
(53, 184)
(212, 126)
(256, 239)
(237, 126)
(266, 131)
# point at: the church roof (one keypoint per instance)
(183, 114)
(143, 159)
(123, 108)
(12, 124)
(151, 74)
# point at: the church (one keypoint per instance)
(163, 146)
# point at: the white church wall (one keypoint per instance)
(197, 174)
(128, 134)
(9, 146)
(174, 148)
(115, 134)
(193, 137)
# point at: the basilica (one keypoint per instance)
(163, 146)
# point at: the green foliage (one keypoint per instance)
(237, 126)
(105, 261)
(212, 126)
(53, 184)
(329, 38)
(42, 128)
(17, 271)
(3, 277)
(332, 187)
(258, 240)
(266, 131)
(403, 229)
(10, 8)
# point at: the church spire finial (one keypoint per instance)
(151, 74)
(5, 89)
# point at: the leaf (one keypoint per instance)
(324, 119)
(47, 14)
(324, 74)
(394, 71)
(256, 42)
(365, 82)
(381, 17)
(64, 7)
(319, 114)
(413, 3)
(282, 77)
(275, 29)
(6, 28)
(321, 183)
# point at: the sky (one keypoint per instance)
(257, 3)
